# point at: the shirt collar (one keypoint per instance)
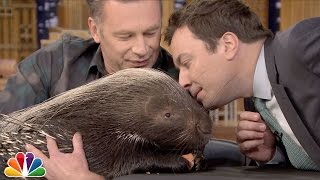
(97, 64)
(261, 83)
(160, 59)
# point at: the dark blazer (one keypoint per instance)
(293, 67)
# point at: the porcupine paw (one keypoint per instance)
(199, 161)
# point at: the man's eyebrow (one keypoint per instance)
(154, 27)
(122, 32)
(180, 56)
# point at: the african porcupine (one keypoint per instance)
(135, 119)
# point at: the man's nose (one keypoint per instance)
(184, 79)
(140, 47)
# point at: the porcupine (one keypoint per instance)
(134, 120)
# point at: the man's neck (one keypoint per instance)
(249, 57)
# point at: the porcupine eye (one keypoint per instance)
(167, 115)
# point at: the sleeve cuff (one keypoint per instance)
(278, 158)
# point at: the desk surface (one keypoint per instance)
(233, 173)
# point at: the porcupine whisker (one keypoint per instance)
(132, 137)
(181, 142)
(181, 138)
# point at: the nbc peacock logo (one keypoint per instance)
(25, 165)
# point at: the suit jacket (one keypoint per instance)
(293, 67)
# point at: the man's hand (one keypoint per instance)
(254, 138)
(65, 166)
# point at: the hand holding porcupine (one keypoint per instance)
(65, 166)
(135, 120)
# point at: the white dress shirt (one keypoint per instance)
(262, 89)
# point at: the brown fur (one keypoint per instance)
(133, 120)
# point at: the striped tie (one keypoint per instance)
(297, 156)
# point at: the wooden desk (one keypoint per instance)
(232, 173)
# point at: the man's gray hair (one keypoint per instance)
(96, 7)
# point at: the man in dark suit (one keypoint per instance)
(224, 53)
(293, 67)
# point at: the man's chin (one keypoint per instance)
(205, 105)
(141, 66)
(208, 106)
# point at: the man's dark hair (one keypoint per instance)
(208, 20)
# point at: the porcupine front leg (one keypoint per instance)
(164, 164)
(199, 161)
(172, 163)
(155, 163)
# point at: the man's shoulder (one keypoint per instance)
(66, 48)
(305, 30)
(165, 53)
(167, 64)
(298, 38)
(306, 25)
(68, 40)
(304, 41)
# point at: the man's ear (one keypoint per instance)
(230, 42)
(93, 29)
